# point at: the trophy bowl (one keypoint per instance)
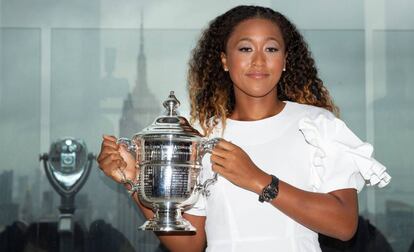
(168, 157)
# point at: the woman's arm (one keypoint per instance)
(334, 214)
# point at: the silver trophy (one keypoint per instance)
(168, 156)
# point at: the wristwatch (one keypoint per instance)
(270, 191)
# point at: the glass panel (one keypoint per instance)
(113, 81)
(394, 133)
(20, 125)
(342, 68)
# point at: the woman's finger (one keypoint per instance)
(220, 152)
(110, 138)
(116, 174)
(223, 144)
(109, 143)
(111, 161)
(217, 168)
(106, 151)
(218, 160)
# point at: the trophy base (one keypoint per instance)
(166, 222)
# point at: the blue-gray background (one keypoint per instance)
(67, 68)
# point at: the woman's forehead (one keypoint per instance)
(255, 27)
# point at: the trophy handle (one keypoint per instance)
(131, 147)
(128, 142)
(207, 147)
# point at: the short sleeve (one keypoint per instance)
(339, 158)
(199, 208)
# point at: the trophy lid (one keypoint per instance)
(170, 122)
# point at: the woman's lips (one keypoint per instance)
(257, 75)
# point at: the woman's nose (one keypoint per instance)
(258, 59)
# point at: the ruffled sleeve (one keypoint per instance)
(199, 208)
(339, 158)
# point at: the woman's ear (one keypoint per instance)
(224, 61)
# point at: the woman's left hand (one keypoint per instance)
(233, 163)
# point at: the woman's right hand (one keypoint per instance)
(114, 159)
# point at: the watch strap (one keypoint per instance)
(270, 191)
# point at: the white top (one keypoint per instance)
(305, 146)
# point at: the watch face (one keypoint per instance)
(271, 193)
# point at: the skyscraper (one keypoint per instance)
(140, 108)
(6, 185)
(8, 210)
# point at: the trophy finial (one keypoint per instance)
(171, 104)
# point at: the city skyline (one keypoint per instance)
(74, 70)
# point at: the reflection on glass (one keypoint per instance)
(394, 133)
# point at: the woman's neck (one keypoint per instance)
(256, 109)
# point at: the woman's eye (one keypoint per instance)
(272, 49)
(245, 49)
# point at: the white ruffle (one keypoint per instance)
(331, 139)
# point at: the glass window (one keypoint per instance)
(84, 69)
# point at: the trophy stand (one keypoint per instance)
(67, 167)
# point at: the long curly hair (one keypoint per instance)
(211, 89)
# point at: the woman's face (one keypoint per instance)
(255, 57)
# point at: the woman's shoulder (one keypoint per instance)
(316, 120)
(310, 111)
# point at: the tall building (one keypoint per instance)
(140, 108)
(36, 192)
(48, 210)
(128, 124)
(23, 185)
(8, 209)
(6, 185)
(27, 207)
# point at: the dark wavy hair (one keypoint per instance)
(211, 89)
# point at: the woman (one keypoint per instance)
(289, 169)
